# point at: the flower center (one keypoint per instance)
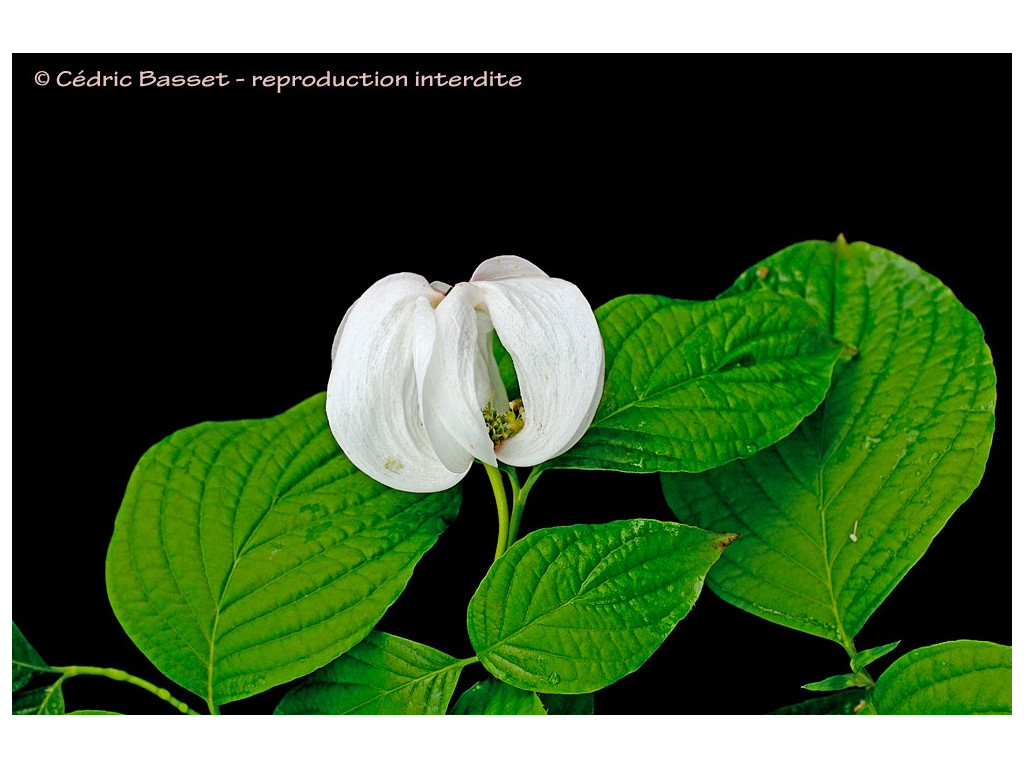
(501, 425)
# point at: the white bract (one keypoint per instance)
(414, 370)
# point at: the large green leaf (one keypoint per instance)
(834, 516)
(693, 385)
(573, 609)
(383, 675)
(964, 677)
(493, 697)
(29, 673)
(249, 553)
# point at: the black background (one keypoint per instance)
(186, 255)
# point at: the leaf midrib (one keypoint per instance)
(648, 395)
(240, 551)
(456, 664)
(536, 619)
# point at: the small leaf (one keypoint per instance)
(41, 700)
(863, 658)
(26, 661)
(573, 609)
(31, 695)
(249, 553)
(383, 675)
(964, 677)
(836, 514)
(837, 683)
(93, 712)
(568, 704)
(692, 385)
(493, 697)
(848, 702)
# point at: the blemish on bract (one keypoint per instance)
(869, 441)
(393, 464)
(762, 272)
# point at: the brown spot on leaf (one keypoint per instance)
(725, 541)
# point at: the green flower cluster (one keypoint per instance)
(501, 425)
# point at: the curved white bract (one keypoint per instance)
(413, 369)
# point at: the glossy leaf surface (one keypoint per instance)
(573, 609)
(249, 553)
(383, 675)
(833, 516)
(692, 385)
(964, 677)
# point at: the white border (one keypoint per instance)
(473, 26)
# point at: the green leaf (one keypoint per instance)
(834, 516)
(31, 696)
(26, 663)
(844, 703)
(693, 385)
(964, 677)
(573, 609)
(863, 658)
(93, 712)
(383, 675)
(42, 700)
(837, 683)
(568, 704)
(493, 697)
(249, 553)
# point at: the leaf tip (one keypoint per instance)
(724, 540)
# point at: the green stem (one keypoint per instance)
(519, 502)
(124, 677)
(513, 478)
(494, 475)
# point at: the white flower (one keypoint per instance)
(414, 371)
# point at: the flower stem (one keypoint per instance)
(494, 475)
(519, 501)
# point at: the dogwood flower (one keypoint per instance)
(415, 394)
